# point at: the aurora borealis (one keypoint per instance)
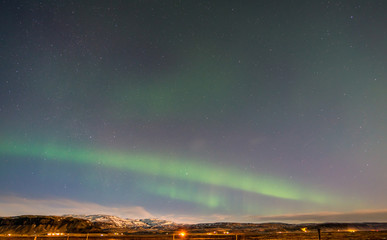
(194, 110)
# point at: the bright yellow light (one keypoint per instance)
(303, 229)
(351, 230)
(182, 234)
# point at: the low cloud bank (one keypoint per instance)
(356, 216)
(13, 206)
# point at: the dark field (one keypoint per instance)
(374, 235)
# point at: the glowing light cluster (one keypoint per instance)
(55, 234)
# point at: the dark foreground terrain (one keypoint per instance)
(95, 225)
(113, 228)
(366, 235)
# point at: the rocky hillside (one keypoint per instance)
(45, 224)
(112, 222)
(29, 224)
(106, 224)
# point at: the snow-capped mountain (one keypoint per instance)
(82, 224)
(113, 221)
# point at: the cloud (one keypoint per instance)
(356, 216)
(191, 219)
(13, 206)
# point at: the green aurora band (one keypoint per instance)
(190, 170)
(206, 198)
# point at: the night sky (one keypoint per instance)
(194, 111)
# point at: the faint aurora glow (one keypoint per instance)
(190, 170)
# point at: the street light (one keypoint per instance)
(181, 234)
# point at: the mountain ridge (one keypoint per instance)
(40, 224)
(124, 222)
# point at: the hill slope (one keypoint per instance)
(30, 224)
(44, 224)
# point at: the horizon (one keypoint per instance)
(292, 222)
(194, 110)
(70, 207)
